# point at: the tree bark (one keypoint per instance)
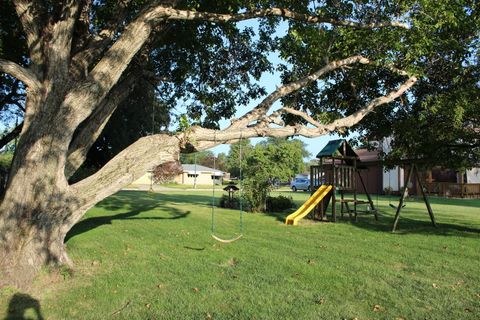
(40, 207)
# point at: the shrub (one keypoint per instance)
(166, 172)
(279, 203)
(226, 202)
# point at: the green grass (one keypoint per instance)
(150, 256)
(189, 186)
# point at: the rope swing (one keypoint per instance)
(241, 202)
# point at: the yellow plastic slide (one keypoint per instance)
(308, 206)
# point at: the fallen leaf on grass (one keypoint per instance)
(468, 310)
(95, 263)
(196, 290)
(435, 285)
(160, 286)
(310, 262)
(321, 301)
(477, 295)
(232, 262)
(208, 316)
(457, 284)
(377, 308)
(148, 305)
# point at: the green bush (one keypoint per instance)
(279, 203)
(226, 202)
(273, 204)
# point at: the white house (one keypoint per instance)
(197, 174)
(192, 175)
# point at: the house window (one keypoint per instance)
(192, 175)
(216, 177)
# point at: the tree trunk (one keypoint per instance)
(39, 206)
(36, 202)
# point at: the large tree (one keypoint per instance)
(84, 57)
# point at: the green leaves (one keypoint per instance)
(270, 161)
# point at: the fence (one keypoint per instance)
(450, 189)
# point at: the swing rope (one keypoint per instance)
(213, 199)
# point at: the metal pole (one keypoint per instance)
(195, 175)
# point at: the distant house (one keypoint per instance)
(197, 174)
(437, 180)
(192, 175)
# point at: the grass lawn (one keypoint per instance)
(188, 186)
(150, 256)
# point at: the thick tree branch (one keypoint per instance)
(20, 73)
(31, 16)
(124, 168)
(60, 43)
(11, 135)
(304, 115)
(262, 108)
(206, 138)
(89, 132)
(82, 59)
(174, 14)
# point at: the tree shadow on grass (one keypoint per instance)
(95, 222)
(19, 304)
(135, 203)
(408, 225)
(139, 199)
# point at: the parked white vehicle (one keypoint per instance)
(300, 184)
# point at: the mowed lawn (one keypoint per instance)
(143, 255)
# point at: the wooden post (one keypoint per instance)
(334, 213)
(402, 198)
(353, 179)
(342, 204)
(368, 195)
(427, 203)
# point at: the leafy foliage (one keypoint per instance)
(269, 161)
(236, 161)
(438, 120)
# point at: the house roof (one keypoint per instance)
(192, 169)
(231, 187)
(339, 147)
(366, 155)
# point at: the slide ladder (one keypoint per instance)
(308, 206)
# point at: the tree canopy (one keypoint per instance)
(437, 121)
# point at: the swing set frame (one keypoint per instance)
(413, 170)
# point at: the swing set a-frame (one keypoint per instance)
(413, 170)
